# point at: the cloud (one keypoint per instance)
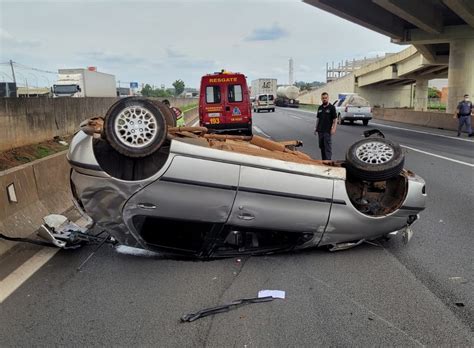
(267, 34)
(8, 39)
(114, 58)
(183, 61)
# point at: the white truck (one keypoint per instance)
(263, 94)
(79, 83)
(286, 96)
(352, 107)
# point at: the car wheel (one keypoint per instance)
(135, 127)
(365, 122)
(273, 110)
(374, 159)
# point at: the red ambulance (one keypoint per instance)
(224, 103)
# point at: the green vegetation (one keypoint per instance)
(309, 107)
(43, 152)
(178, 87)
(149, 91)
(307, 86)
(436, 106)
(433, 92)
(188, 107)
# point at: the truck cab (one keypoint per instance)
(224, 103)
(68, 85)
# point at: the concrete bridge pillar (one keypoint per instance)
(421, 95)
(461, 72)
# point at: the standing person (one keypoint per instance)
(326, 126)
(177, 112)
(463, 113)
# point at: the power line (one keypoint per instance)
(22, 66)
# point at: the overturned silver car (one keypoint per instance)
(184, 191)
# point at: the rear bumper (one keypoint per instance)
(228, 126)
(356, 117)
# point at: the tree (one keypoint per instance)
(178, 87)
(433, 92)
(147, 91)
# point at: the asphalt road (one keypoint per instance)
(418, 294)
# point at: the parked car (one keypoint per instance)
(353, 108)
(224, 103)
(185, 191)
(264, 102)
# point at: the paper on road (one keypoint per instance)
(272, 293)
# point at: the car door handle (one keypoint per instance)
(147, 206)
(246, 217)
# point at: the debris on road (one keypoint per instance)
(223, 308)
(272, 293)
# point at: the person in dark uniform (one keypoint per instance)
(463, 113)
(326, 126)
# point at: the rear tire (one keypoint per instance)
(374, 159)
(135, 127)
(365, 122)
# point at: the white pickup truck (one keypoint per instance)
(353, 108)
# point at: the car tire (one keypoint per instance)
(365, 122)
(135, 127)
(170, 117)
(374, 159)
(273, 110)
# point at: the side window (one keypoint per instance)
(270, 97)
(234, 93)
(213, 94)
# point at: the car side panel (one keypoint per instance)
(269, 199)
(192, 189)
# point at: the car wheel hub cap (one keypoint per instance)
(374, 153)
(136, 127)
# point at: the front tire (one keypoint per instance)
(374, 159)
(135, 127)
(365, 122)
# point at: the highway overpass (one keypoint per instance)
(442, 32)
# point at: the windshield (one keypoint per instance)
(65, 89)
(265, 97)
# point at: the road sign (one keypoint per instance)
(133, 84)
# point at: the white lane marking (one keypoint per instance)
(297, 117)
(439, 156)
(422, 132)
(195, 123)
(261, 131)
(401, 128)
(25, 271)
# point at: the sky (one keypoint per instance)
(157, 42)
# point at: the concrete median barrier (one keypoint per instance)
(41, 188)
(26, 121)
(430, 119)
(191, 116)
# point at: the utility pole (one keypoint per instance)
(13, 71)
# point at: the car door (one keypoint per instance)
(236, 108)
(186, 206)
(282, 201)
